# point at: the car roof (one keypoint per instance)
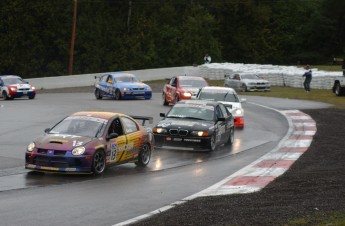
(9, 76)
(190, 78)
(222, 88)
(121, 74)
(98, 114)
(200, 102)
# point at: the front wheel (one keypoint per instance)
(213, 143)
(231, 137)
(32, 97)
(98, 94)
(164, 100)
(6, 97)
(244, 88)
(117, 95)
(98, 162)
(144, 156)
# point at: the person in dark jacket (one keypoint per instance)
(307, 80)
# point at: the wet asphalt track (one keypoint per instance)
(124, 191)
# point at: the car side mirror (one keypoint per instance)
(162, 115)
(111, 136)
(221, 119)
(47, 130)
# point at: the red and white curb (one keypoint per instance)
(261, 172)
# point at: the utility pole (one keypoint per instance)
(71, 53)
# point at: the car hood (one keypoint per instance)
(132, 85)
(21, 86)
(188, 124)
(255, 80)
(61, 141)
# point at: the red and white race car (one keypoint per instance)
(13, 86)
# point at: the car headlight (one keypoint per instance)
(148, 88)
(126, 89)
(160, 130)
(199, 133)
(31, 147)
(187, 94)
(238, 112)
(13, 89)
(33, 87)
(78, 150)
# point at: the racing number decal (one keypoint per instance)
(113, 151)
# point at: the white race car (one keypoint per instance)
(247, 82)
(13, 86)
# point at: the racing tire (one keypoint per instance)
(231, 138)
(338, 90)
(98, 162)
(244, 88)
(6, 97)
(32, 97)
(98, 94)
(144, 156)
(117, 95)
(213, 143)
(164, 100)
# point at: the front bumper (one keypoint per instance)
(136, 94)
(64, 164)
(182, 142)
(258, 88)
(19, 94)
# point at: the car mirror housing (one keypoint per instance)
(47, 130)
(112, 136)
(162, 115)
(222, 119)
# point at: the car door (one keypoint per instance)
(134, 138)
(116, 146)
(170, 91)
(220, 125)
(228, 122)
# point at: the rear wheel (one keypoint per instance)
(98, 94)
(144, 156)
(164, 100)
(117, 95)
(98, 162)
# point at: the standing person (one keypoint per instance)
(207, 59)
(308, 76)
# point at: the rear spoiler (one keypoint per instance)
(143, 119)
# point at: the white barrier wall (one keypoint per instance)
(89, 79)
(277, 75)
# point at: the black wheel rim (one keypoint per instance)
(145, 154)
(98, 162)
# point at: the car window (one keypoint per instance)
(190, 111)
(110, 80)
(104, 78)
(13, 80)
(218, 95)
(126, 78)
(192, 83)
(219, 112)
(116, 127)
(173, 81)
(130, 125)
(224, 111)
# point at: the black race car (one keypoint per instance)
(196, 125)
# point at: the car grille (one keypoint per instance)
(55, 152)
(138, 88)
(24, 89)
(177, 132)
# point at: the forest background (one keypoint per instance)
(118, 35)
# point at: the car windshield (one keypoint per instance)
(13, 80)
(192, 112)
(80, 126)
(192, 83)
(250, 76)
(126, 78)
(218, 95)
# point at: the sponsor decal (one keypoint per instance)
(77, 143)
(192, 140)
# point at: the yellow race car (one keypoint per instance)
(88, 142)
